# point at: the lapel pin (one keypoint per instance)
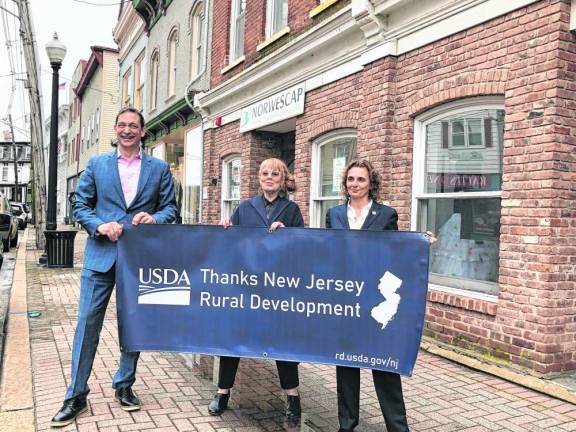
(373, 212)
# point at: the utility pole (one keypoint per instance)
(36, 135)
(14, 150)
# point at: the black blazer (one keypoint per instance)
(252, 212)
(380, 218)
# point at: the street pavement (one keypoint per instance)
(175, 389)
(6, 272)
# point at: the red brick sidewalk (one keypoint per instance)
(441, 396)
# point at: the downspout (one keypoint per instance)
(207, 26)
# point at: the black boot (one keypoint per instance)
(71, 409)
(293, 410)
(127, 398)
(219, 403)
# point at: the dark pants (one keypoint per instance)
(287, 372)
(388, 389)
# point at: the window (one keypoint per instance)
(457, 189)
(139, 79)
(196, 30)
(154, 80)
(5, 172)
(463, 133)
(237, 29)
(276, 16)
(97, 125)
(126, 97)
(172, 41)
(231, 170)
(71, 153)
(90, 131)
(331, 153)
(192, 189)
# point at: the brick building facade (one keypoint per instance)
(467, 110)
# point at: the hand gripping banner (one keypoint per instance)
(353, 298)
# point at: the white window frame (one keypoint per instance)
(90, 130)
(315, 198)
(466, 135)
(472, 288)
(237, 20)
(154, 68)
(126, 81)
(97, 125)
(273, 10)
(193, 167)
(197, 23)
(139, 80)
(172, 61)
(226, 209)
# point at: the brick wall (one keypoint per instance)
(529, 58)
(254, 33)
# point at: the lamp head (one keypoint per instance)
(56, 50)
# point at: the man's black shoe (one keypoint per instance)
(71, 409)
(127, 398)
(293, 410)
(219, 403)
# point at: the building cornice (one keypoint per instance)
(128, 30)
(176, 115)
(150, 10)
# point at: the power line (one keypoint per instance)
(7, 11)
(71, 81)
(7, 37)
(12, 74)
(96, 4)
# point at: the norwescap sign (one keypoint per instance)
(354, 298)
(280, 106)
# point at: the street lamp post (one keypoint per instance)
(59, 244)
(56, 51)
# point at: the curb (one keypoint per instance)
(16, 398)
(529, 381)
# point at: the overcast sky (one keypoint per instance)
(79, 25)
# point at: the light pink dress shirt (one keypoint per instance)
(129, 171)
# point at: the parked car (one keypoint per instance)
(14, 232)
(20, 210)
(8, 225)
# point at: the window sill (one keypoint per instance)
(232, 65)
(325, 4)
(478, 302)
(273, 38)
(170, 98)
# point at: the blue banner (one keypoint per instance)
(346, 297)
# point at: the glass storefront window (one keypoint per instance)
(231, 171)
(192, 199)
(173, 154)
(458, 195)
(332, 153)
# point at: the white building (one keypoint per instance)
(62, 147)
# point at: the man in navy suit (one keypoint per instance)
(125, 186)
